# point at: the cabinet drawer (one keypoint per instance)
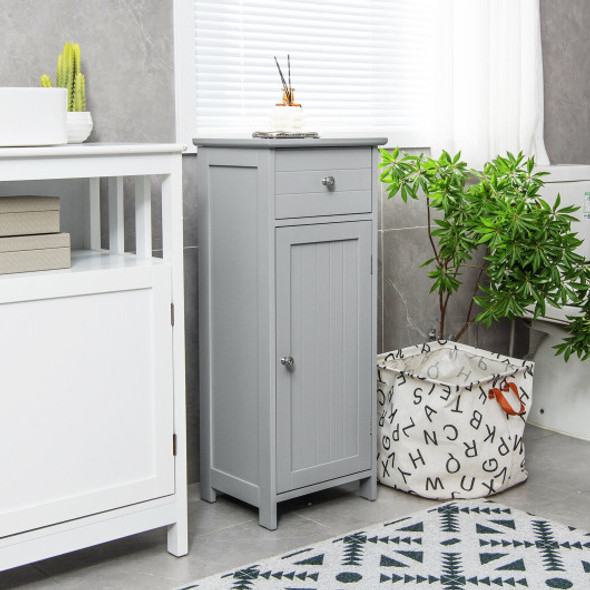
(303, 185)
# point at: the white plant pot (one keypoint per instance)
(79, 126)
(32, 116)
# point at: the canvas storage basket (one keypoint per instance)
(444, 431)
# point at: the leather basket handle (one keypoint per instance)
(501, 398)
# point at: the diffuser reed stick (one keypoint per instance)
(286, 89)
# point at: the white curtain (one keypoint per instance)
(489, 79)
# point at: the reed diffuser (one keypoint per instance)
(286, 115)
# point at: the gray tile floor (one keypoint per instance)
(226, 534)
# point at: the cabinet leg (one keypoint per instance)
(207, 493)
(267, 515)
(368, 488)
(178, 538)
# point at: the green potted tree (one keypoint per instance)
(529, 248)
(69, 76)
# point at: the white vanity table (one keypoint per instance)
(92, 395)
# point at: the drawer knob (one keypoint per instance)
(328, 181)
(288, 362)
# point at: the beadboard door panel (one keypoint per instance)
(324, 323)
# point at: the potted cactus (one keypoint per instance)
(70, 77)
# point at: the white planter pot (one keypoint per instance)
(32, 116)
(79, 126)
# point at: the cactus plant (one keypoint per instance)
(68, 76)
(79, 96)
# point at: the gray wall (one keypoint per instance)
(127, 58)
(566, 47)
(127, 53)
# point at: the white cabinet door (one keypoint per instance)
(324, 323)
(86, 415)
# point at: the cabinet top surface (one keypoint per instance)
(90, 150)
(249, 142)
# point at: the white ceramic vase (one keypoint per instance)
(79, 126)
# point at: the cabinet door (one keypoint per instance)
(324, 323)
(86, 416)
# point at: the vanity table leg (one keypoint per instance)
(172, 244)
(178, 539)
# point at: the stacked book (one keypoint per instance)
(29, 235)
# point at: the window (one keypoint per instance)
(358, 67)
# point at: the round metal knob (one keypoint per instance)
(328, 181)
(288, 362)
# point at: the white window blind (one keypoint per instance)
(357, 66)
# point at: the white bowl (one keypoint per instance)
(32, 116)
(79, 126)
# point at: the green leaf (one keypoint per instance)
(530, 165)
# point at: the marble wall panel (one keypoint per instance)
(127, 58)
(409, 311)
(566, 69)
(191, 308)
(189, 191)
(191, 335)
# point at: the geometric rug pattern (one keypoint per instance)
(460, 545)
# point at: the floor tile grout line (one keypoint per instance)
(326, 526)
(224, 528)
(154, 576)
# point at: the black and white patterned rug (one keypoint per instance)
(465, 544)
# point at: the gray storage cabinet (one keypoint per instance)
(287, 301)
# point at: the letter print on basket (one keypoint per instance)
(451, 420)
